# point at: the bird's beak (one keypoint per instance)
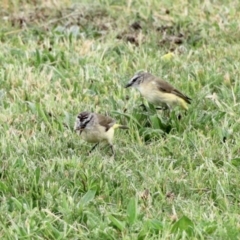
(78, 129)
(128, 85)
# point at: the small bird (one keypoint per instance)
(96, 128)
(157, 91)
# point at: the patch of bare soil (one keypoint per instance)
(95, 21)
(51, 16)
(167, 35)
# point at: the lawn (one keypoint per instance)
(171, 178)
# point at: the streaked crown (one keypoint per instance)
(83, 120)
(137, 79)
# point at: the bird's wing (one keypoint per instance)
(163, 86)
(181, 95)
(168, 88)
(105, 121)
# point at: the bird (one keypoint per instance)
(157, 91)
(96, 128)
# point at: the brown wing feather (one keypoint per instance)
(105, 121)
(168, 88)
(181, 95)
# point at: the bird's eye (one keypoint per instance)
(85, 121)
(134, 79)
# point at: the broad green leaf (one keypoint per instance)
(120, 225)
(37, 174)
(17, 203)
(155, 121)
(53, 230)
(142, 234)
(210, 228)
(132, 211)
(89, 196)
(32, 106)
(184, 224)
(3, 187)
(236, 162)
(149, 227)
(93, 220)
(42, 114)
(38, 57)
(155, 224)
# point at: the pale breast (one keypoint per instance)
(91, 136)
(156, 97)
(98, 134)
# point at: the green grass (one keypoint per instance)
(170, 179)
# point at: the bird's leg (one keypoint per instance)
(166, 109)
(163, 107)
(93, 148)
(144, 107)
(112, 149)
(168, 112)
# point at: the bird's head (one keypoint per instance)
(83, 121)
(137, 79)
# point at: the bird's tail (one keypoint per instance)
(183, 104)
(120, 126)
